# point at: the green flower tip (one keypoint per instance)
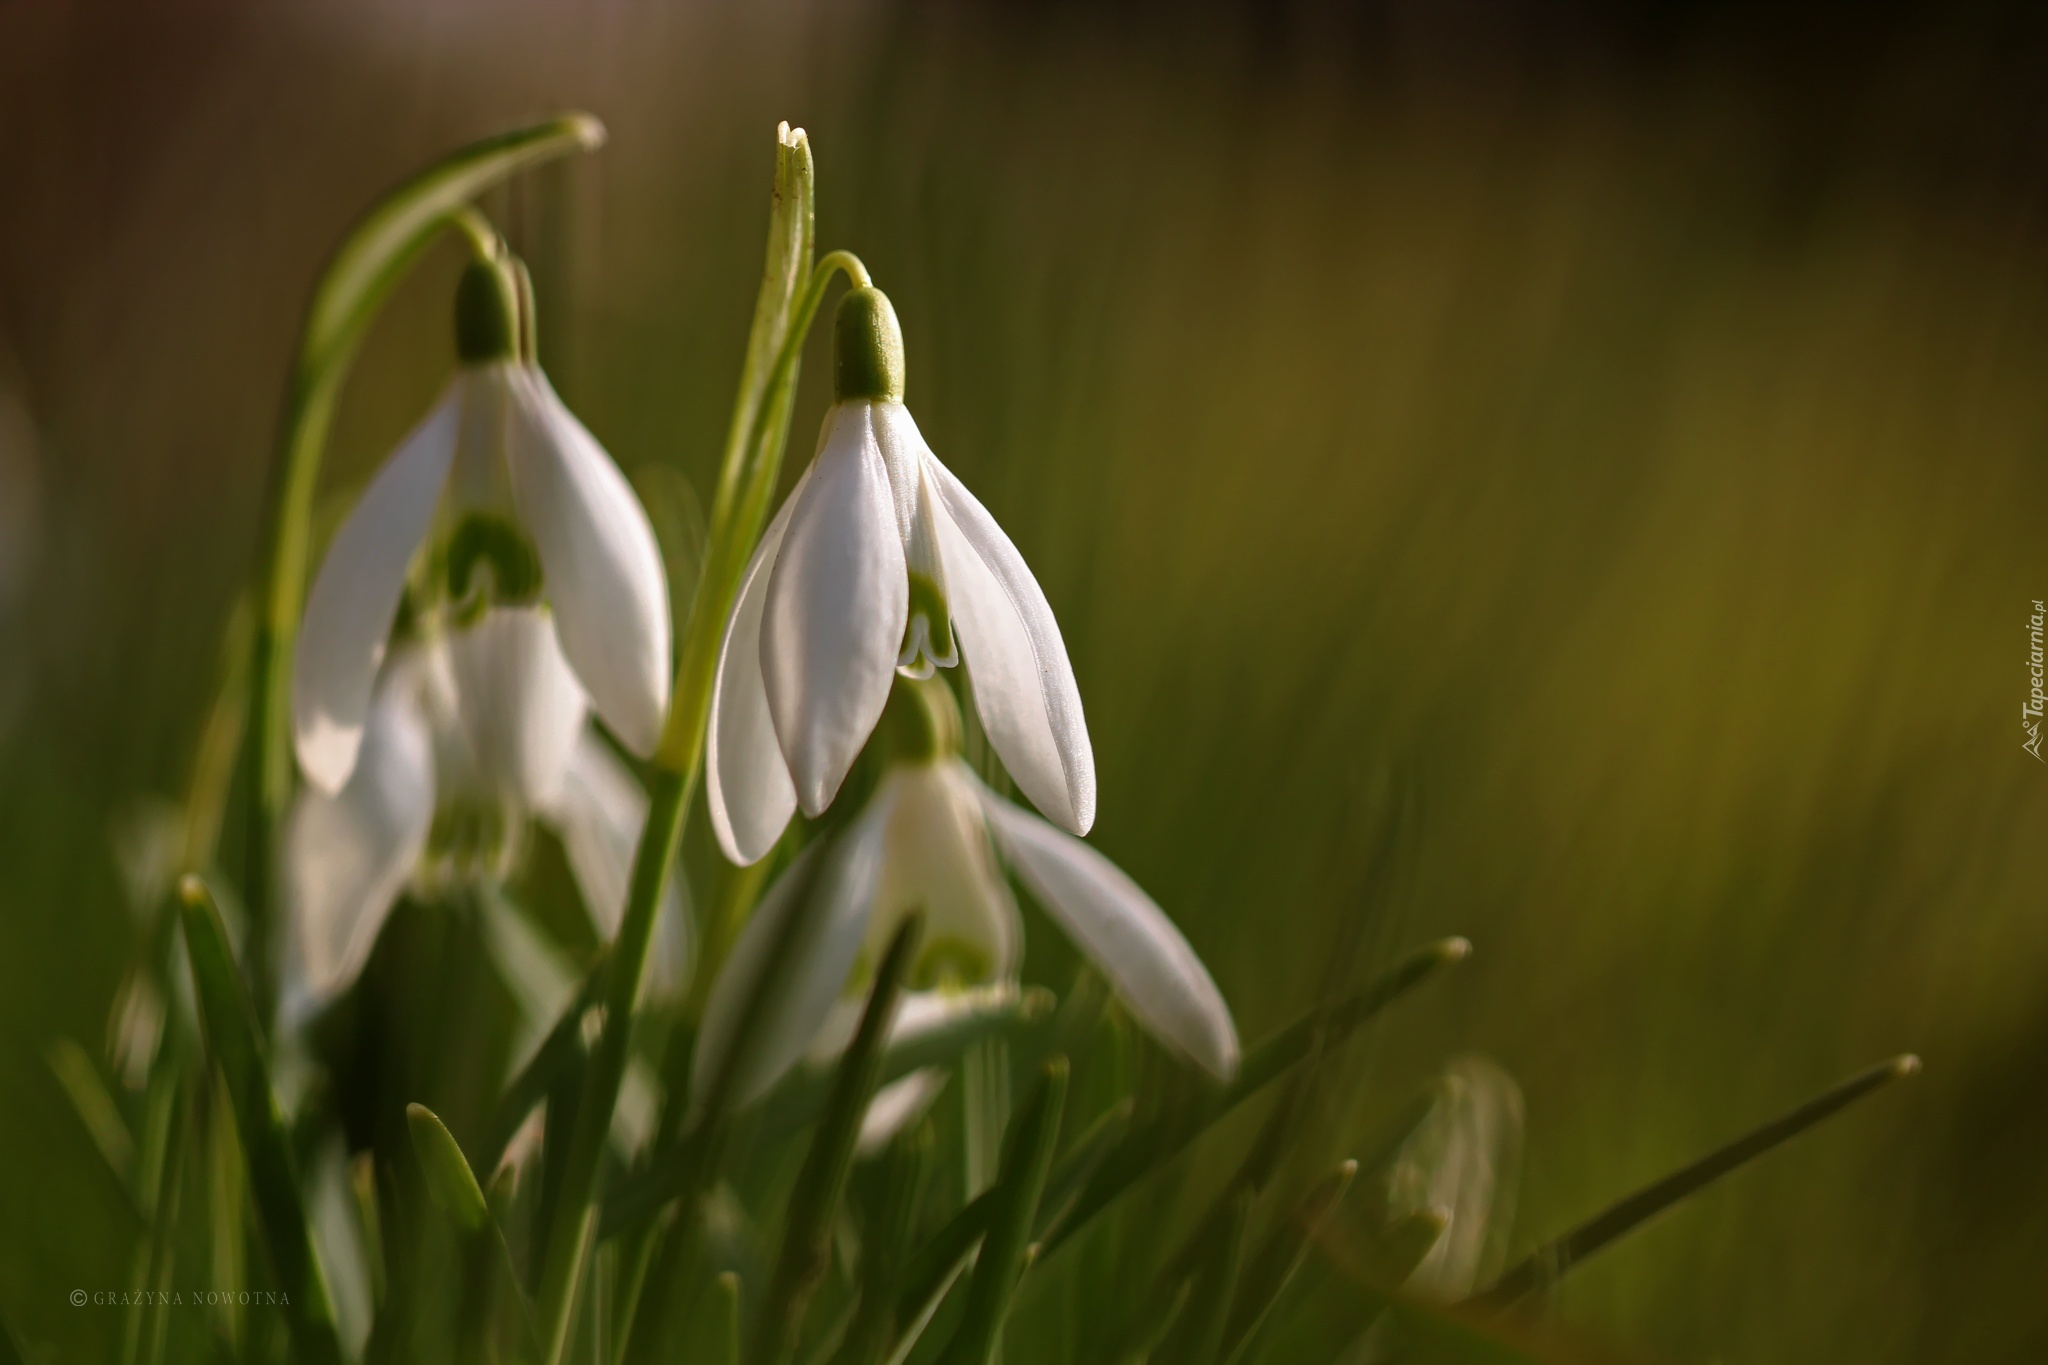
(486, 314)
(1905, 1064)
(867, 348)
(1454, 950)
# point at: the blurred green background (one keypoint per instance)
(1628, 425)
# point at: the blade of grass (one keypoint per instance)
(1281, 1259)
(885, 1244)
(1020, 1182)
(80, 1080)
(746, 485)
(1556, 1258)
(1136, 1154)
(1198, 1333)
(453, 1187)
(232, 1039)
(821, 1184)
(556, 1054)
(797, 1100)
(1154, 1146)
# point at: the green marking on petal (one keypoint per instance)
(511, 574)
(948, 960)
(472, 840)
(928, 633)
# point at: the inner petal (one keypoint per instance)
(936, 857)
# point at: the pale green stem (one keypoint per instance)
(739, 512)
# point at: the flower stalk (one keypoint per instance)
(791, 292)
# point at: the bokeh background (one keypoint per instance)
(1627, 426)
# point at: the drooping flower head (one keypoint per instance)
(438, 802)
(498, 498)
(934, 838)
(496, 583)
(881, 562)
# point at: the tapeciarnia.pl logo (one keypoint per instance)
(2030, 713)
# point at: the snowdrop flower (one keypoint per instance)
(465, 741)
(514, 505)
(931, 837)
(1464, 1160)
(881, 562)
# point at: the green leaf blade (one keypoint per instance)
(229, 1019)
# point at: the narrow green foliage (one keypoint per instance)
(746, 482)
(1020, 1181)
(556, 1055)
(1197, 1337)
(797, 1101)
(814, 1204)
(1080, 1163)
(1556, 1258)
(575, 1216)
(1400, 1246)
(450, 1183)
(234, 1044)
(1156, 1144)
(753, 445)
(885, 1245)
(164, 1170)
(997, 1016)
(80, 1079)
(725, 1317)
(1110, 1160)
(362, 1185)
(1287, 1247)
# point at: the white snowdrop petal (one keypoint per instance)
(1464, 1159)
(810, 983)
(601, 562)
(355, 596)
(540, 979)
(1124, 932)
(837, 600)
(746, 781)
(896, 1106)
(1023, 684)
(519, 705)
(599, 817)
(936, 855)
(348, 856)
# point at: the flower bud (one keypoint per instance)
(486, 314)
(867, 349)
